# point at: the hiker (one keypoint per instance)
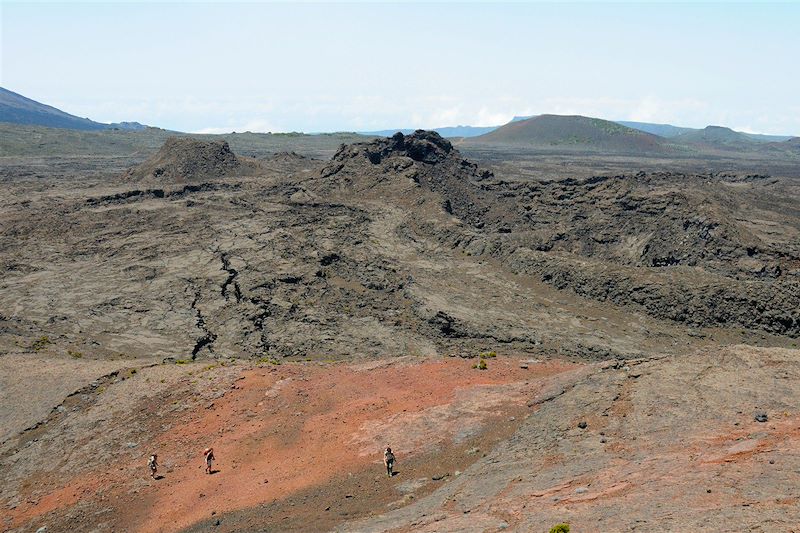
(152, 464)
(388, 460)
(209, 455)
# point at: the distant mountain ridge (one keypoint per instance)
(662, 130)
(715, 135)
(18, 109)
(574, 131)
(667, 131)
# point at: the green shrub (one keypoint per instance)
(560, 528)
(74, 354)
(181, 361)
(487, 355)
(480, 365)
(41, 343)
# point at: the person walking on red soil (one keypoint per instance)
(152, 464)
(388, 460)
(209, 455)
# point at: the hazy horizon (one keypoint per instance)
(219, 67)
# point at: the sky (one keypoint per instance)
(225, 66)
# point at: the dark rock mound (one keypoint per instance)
(423, 146)
(287, 156)
(422, 166)
(183, 159)
(424, 156)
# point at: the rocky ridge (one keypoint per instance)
(677, 246)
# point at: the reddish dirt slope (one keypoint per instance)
(310, 429)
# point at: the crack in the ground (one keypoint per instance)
(207, 340)
(256, 319)
(232, 273)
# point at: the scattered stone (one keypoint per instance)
(523, 366)
(772, 461)
(41, 529)
(761, 416)
(439, 477)
(581, 490)
(582, 424)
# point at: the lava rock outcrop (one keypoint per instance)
(183, 159)
(670, 244)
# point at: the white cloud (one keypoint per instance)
(254, 126)
(364, 112)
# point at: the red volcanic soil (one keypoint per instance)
(313, 432)
(666, 444)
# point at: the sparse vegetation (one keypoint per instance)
(74, 354)
(268, 360)
(480, 365)
(560, 528)
(487, 355)
(182, 361)
(41, 343)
